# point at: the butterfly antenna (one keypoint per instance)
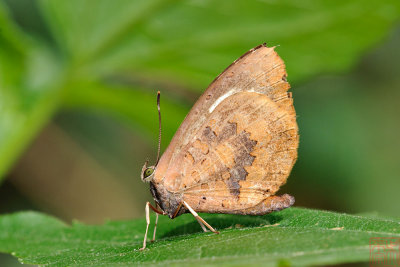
(159, 127)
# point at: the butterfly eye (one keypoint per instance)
(148, 172)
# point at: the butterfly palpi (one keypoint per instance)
(234, 149)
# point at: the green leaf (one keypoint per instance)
(294, 236)
(193, 41)
(28, 96)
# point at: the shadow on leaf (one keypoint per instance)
(225, 221)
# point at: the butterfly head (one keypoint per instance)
(147, 173)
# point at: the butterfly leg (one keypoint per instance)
(179, 208)
(201, 221)
(155, 228)
(148, 205)
(202, 225)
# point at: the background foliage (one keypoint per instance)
(78, 82)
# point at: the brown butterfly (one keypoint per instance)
(234, 149)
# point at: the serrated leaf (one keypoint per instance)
(294, 236)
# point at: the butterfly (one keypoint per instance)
(234, 149)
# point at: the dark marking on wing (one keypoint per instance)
(243, 158)
(209, 135)
(228, 131)
(242, 145)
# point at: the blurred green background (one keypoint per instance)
(78, 83)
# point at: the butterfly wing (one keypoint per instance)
(239, 142)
